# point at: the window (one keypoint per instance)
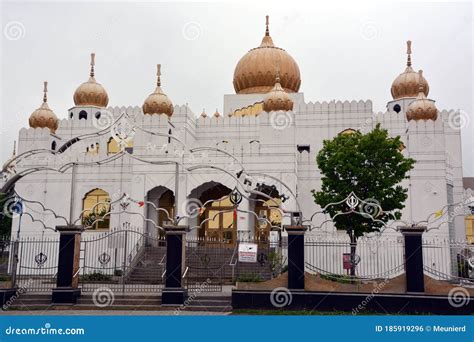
(82, 115)
(114, 147)
(95, 206)
(53, 146)
(97, 115)
(397, 108)
(93, 149)
(71, 115)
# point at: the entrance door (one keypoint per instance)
(221, 225)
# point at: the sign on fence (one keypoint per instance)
(346, 261)
(248, 252)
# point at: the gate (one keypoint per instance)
(122, 261)
(34, 263)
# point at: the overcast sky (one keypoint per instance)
(345, 51)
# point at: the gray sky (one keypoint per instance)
(345, 51)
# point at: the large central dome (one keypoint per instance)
(256, 71)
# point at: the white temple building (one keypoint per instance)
(178, 158)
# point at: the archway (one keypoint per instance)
(162, 198)
(267, 209)
(217, 218)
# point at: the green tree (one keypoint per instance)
(5, 220)
(370, 165)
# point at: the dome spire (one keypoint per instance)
(267, 31)
(158, 75)
(267, 41)
(44, 117)
(408, 53)
(91, 93)
(92, 64)
(45, 91)
(158, 102)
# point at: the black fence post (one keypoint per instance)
(413, 243)
(174, 293)
(296, 256)
(66, 290)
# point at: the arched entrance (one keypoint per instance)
(162, 198)
(267, 210)
(217, 220)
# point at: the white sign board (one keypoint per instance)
(248, 252)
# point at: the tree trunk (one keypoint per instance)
(353, 254)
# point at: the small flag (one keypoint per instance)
(141, 204)
(235, 215)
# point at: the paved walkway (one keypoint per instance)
(110, 313)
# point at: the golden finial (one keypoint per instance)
(409, 52)
(45, 91)
(92, 63)
(158, 74)
(267, 31)
(420, 83)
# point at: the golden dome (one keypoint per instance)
(422, 108)
(158, 102)
(407, 83)
(255, 72)
(91, 93)
(277, 99)
(44, 116)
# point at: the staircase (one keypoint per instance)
(148, 267)
(127, 302)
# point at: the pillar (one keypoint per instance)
(174, 293)
(67, 291)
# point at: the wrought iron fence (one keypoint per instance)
(35, 268)
(374, 258)
(448, 260)
(122, 261)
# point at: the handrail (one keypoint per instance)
(162, 260)
(232, 262)
(185, 272)
(163, 274)
(75, 274)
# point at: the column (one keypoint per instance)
(414, 258)
(67, 290)
(296, 256)
(174, 293)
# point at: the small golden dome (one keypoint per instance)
(44, 116)
(422, 108)
(158, 102)
(203, 114)
(277, 99)
(91, 93)
(406, 84)
(217, 114)
(255, 72)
